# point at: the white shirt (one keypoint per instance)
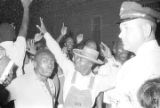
(145, 65)
(29, 67)
(111, 67)
(101, 82)
(29, 92)
(16, 51)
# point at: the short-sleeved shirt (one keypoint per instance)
(16, 51)
(29, 92)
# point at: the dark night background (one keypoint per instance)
(78, 15)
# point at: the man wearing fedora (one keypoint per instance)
(81, 86)
(138, 28)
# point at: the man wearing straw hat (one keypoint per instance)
(138, 28)
(81, 86)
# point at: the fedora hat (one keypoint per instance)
(89, 54)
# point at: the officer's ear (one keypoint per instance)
(147, 29)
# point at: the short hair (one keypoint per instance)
(92, 44)
(43, 52)
(149, 93)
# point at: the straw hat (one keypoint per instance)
(89, 54)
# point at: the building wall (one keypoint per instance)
(79, 19)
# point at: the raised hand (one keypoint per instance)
(105, 50)
(30, 46)
(42, 27)
(2, 52)
(63, 30)
(63, 33)
(26, 3)
(79, 38)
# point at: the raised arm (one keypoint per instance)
(63, 33)
(79, 38)
(54, 47)
(25, 20)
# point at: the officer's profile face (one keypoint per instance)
(132, 34)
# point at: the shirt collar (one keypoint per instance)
(147, 47)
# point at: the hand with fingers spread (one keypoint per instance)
(105, 50)
(79, 38)
(31, 47)
(63, 30)
(42, 27)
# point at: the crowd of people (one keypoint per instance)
(70, 72)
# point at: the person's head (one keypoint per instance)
(138, 25)
(69, 43)
(91, 44)
(149, 94)
(120, 54)
(85, 59)
(7, 32)
(44, 63)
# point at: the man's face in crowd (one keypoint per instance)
(83, 65)
(69, 43)
(45, 65)
(120, 53)
(132, 34)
